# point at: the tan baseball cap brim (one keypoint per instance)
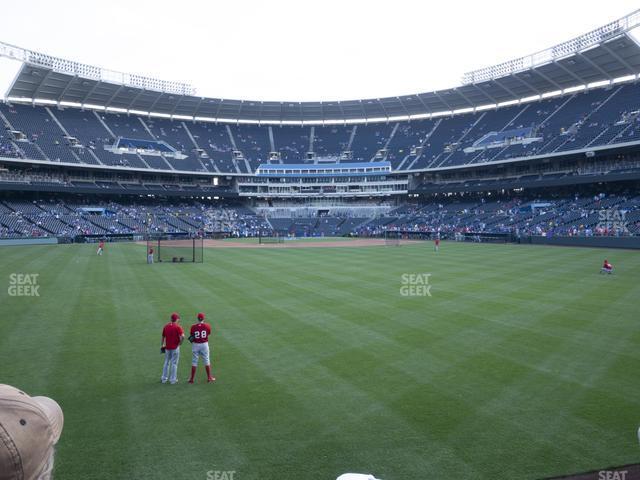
(54, 413)
(29, 429)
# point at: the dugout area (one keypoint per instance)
(175, 249)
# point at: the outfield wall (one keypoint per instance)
(602, 242)
(29, 241)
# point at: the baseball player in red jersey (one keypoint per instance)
(100, 247)
(436, 243)
(606, 267)
(199, 338)
(172, 337)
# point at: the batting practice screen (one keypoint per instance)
(176, 250)
(270, 239)
(392, 238)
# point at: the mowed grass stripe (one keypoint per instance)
(278, 347)
(309, 327)
(88, 364)
(35, 324)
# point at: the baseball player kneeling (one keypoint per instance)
(199, 338)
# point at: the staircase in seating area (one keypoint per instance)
(55, 119)
(589, 115)
(195, 144)
(312, 136)
(549, 117)
(15, 145)
(423, 144)
(166, 162)
(459, 140)
(393, 134)
(351, 137)
(104, 124)
(235, 148)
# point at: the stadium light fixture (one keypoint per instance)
(204, 119)
(533, 98)
(70, 104)
(43, 101)
(577, 88)
(508, 102)
(229, 120)
(19, 99)
(293, 122)
(627, 78)
(489, 106)
(418, 116)
(91, 106)
(555, 93)
(445, 113)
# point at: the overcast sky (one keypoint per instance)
(298, 50)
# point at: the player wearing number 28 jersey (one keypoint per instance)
(199, 338)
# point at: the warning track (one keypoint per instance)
(360, 242)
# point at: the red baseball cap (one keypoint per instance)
(174, 317)
(201, 316)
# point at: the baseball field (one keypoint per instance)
(480, 361)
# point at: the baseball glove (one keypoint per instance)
(192, 337)
(162, 349)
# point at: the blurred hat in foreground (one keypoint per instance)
(29, 429)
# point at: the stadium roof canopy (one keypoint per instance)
(603, 55)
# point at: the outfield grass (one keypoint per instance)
(522, 364)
